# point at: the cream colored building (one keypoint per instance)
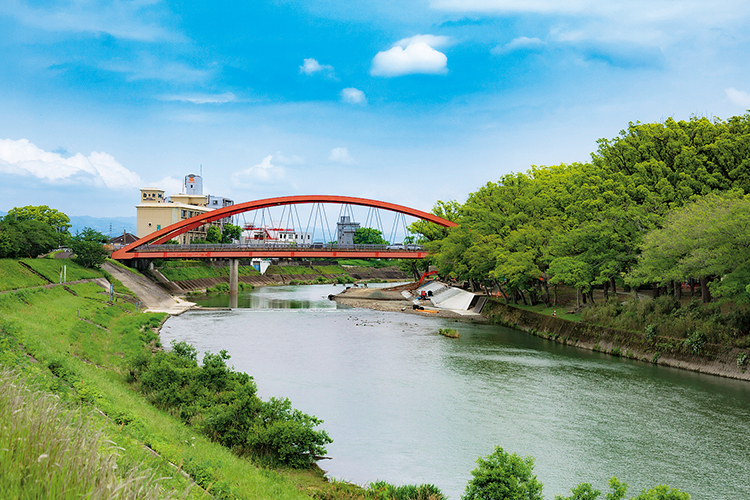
(155, 212)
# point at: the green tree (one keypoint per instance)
(230, 233)
(368, 236)
(26, 238)
(662, 492)
(88, 247)
(502, 476)
(54, 218)
(583, 491)
(708, 239)
(213, 235)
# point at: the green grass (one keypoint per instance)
(291, 270)
(87, 343)
(50, 269)
(330, 269)
(562, 311)
(14, 276)
(365, 263)
(199, 270)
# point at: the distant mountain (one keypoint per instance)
(110, 226)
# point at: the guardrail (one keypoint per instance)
(233, 247)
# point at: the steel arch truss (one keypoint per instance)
(164, 235)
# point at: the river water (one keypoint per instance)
(406, 405)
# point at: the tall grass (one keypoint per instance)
(50, 451)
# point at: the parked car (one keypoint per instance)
(414, 246)
(396, 246)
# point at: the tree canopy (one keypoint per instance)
(88, 247)
(586, 224)
(368, 236)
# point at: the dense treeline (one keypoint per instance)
(661, 204)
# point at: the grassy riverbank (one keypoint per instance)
(67, 353)
(77, 346)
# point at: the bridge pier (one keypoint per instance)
(234, 276)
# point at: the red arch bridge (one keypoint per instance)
(155, 245)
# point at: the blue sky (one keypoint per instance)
(405, 101)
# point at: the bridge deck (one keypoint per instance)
(235, 251)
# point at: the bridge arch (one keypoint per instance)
(165, 234)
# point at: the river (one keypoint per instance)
(406, 405)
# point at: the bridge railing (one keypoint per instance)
(211, 247)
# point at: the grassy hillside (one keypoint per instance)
(14, 276)
(50, 269)
(81, 346)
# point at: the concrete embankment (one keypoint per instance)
(714, 359)
(394, 300)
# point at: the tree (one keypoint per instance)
(368, 236)
(88, 247)
(709, 238)
(54, 218)
(502, 476)
(213, 235)
(26, 238)
(230, 233)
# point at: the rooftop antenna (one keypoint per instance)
(201, 170)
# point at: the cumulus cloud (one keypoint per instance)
(738, 97)
(341, 155)
(412, 56)
(353, 96)
(312, 66)
(170, 185)
(264, 172)
(98, 168)
(201, 98)
(520, 43)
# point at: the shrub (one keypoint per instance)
(650, 332)
(695, 342)
(501, 476)
(224, 405)
(741, 359)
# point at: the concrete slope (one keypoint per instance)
(152, 297)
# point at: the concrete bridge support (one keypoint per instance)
(234, 276)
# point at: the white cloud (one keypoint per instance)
(120, 19)
(341, 155)
(411, 56)
(281, 158)
(146, 67)
(311, 66)
(264, 172)
(520, 43)
(170, 185)
(434, 41)
(100, 169)
(201, 98)
(653, 22)
(738, 97)
(353, 96)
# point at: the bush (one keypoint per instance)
(224, 405)
(695, 342)
(501, 476)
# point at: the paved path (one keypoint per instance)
(150, 294)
